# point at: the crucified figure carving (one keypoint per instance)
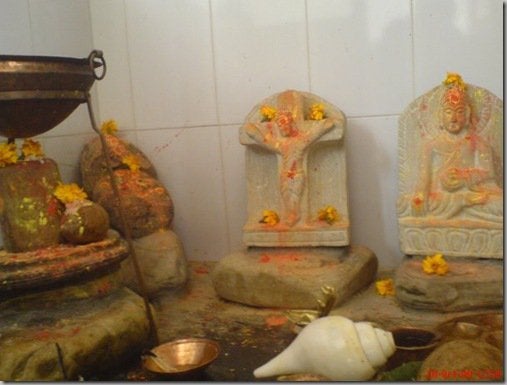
(289, 135)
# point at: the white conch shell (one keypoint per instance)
(334, 347)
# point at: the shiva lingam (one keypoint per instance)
(43, 257)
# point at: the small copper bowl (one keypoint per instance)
(181, 358)
(412, 344)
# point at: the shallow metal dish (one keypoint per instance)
(412, 344)
(181, 357)
(39, 92)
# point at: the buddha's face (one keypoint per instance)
(455, 113)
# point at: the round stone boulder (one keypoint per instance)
(147, 205)
(463, 360)
(84, 222)
(93, 164)
(162, 262)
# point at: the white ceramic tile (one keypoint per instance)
(372, 166)
(188, 164)
(15, 37)
(171, 63)
(464, 36)
(233, 155)
(260, 49)
(360, 54)
(110, 36)
(61, 27)
(65, 151)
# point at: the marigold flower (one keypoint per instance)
(329, 214)
(435, 264)
(385, 286)
(68, 193)
(317, 111)
(270, 217)
(268, 112)
(455, 79)
(31, 148)
(132, 161)
(109, 127)
(8, 154)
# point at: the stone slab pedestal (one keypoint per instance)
(470, 284)
(94, 336)
(293, 277)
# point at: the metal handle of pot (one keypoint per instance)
(96, 54)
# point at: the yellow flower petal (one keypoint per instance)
(109, 127)
(328, 214)
(385, 286)
(31, 148)
(8, 154)
(132, 161)
(270, 217)
(435, 264)
(317, 111)
(268, 112)
(453, 78)
(68, 193)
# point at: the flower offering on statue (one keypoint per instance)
(435, 264)
(455, 80)
(268, 112)
(317, 111)
(270, 217)
(329, 214)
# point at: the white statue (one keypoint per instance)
(451, 172)
(304, 179)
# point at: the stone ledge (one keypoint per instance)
(469, 284)
(293, 277)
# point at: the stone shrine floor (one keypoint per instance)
(249, 336)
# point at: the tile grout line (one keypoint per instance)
(219, 126)
(308, 61)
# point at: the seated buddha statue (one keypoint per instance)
(457, 175)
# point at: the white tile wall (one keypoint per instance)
(170, 58)
(463, 36)
(360, 54)
(182, 75)
(260, 48)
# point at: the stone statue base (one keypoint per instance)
(451, 238)
(470, 284)
(70, 299)
(292, 277)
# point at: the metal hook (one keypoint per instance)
(97, 54)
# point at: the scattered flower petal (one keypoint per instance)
(385, 286)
